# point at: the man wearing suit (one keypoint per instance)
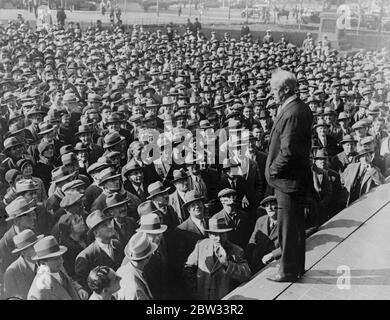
(176, 199)
(124, 225)
(95, 151)
(263, 246)
(321, 139)
(104, 251)
(133, 285)
(133, 176)
(360, 177)
(195, 180)
(237, 219)
(288, 171)
(111, 182)
(23, 217)
(189, 232)
(341, 161)
(20, 274)
(51, 281)
(215, 266)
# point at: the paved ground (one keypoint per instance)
(134, 14)
(348, 258)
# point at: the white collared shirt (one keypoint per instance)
(181, 194)
(198, 224)
(106, 247)
(285, 103)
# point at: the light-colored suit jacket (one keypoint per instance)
(132, 285)
(18, 279)
(46, 287)
(211, 280)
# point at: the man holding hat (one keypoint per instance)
(133, 285)
(20, 274)
(216, 266)
(104, 251)
(51, 281)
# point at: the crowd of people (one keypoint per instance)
(133, 163)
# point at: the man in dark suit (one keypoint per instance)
(340, 161)
(321, 139)
(360, 177)
(189, 232)
(20, 274)
(104, 251)
(263, 246)
(234, 217)
(288, 171)
(95, 151)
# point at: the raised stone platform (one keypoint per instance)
(348, 258)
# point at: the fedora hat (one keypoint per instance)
(70, 199)
(180, 174)
(321, 154)
(114, 117)
(111, 139)
(358, 124)
(130, 167)
(10, 143)
(192, 196)
(97, 167)
(96, 218)
(65, 149)
(68, 158)
(155, 189)
(362, 153)
(107, 174)
(84, 128)
(348, 138)
(17, 208)
(47, 248)
(147, 207)
(139, 247)
(45, 127)
(24, 240)
(218, 226)
(342, 116)
(115, 200)
(72, 185)
(320, 123)
(25, 185)
(60, 174)
(151, 223)
(205, 124)
(229, 163)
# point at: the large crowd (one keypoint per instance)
(133, 162)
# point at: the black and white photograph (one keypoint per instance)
(206, 151)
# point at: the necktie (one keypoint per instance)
(233, 184)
